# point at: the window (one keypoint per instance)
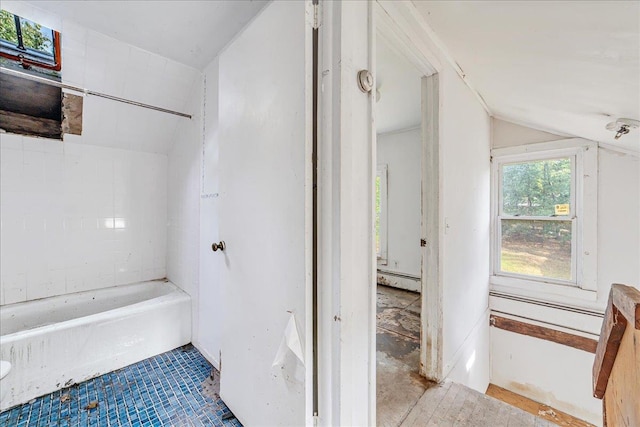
(381, 214)
(544, 216)
(28, 42)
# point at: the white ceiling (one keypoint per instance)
(189, 32)
(568, 67)
(399, 84)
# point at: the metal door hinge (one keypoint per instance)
(423, 242)
(316, 16)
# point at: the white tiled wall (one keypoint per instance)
(183, 209)
(93, 211)
(77, 217)
(102, 64)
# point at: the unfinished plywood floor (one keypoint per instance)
(404, 398)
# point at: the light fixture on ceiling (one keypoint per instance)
(623, 126)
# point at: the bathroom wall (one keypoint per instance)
(183, 196)
(77, 217)
(114, 175)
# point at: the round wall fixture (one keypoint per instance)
(365, 81)
(623, 126)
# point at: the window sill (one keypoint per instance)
(562, 294)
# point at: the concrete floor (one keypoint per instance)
(404, 398)
(399, 386)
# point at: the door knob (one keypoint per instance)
(219, 246)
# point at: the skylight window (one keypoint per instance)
(29, 43)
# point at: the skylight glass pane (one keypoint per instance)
(537, 188)
(36, 36)
(8, 27)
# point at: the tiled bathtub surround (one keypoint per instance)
(171, 389)
(75, 217)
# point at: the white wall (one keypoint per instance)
(78, 217)
(561, 375)
(618, 220)
(207, 337)
(546, 372)
(507, 134)
(401, 152)
(183, 196)
(94, 61)
(114, 134)
(465, 240)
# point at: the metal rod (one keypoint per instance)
(61, 85)
(547, 304)
(314, 170)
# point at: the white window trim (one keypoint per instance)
(586, 198)
(382, 256)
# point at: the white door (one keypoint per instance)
(264, 211)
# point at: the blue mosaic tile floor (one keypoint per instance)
(171, 389)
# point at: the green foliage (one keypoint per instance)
(534, 188)
(33, 34)
(7, 27)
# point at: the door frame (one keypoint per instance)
(392, 26)
(346, 207)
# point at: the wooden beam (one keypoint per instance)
(627, 300)
(623, 307)
(559, 337)
(28, 125)
(623, 388)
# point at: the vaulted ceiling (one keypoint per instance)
(189, 32)
(399, 90)
(567, 67)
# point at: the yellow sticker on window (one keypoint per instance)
(562, 209)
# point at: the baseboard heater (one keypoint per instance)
(400, 275)
(399, 280)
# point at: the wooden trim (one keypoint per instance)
(623, 308)
(535, 408)
(627, 300)
(559, 337)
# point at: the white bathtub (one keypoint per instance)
(58, 341)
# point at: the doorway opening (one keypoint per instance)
(406, 228)
(397, 225)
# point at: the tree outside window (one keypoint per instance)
(537, 216)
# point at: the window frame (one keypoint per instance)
(32, 57)
(382, 173)
(583, 216)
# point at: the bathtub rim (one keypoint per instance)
(176, 294)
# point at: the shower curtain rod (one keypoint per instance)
(43, 80)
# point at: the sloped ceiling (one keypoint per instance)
(398, 82)
(568, 67)
(189, 32)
